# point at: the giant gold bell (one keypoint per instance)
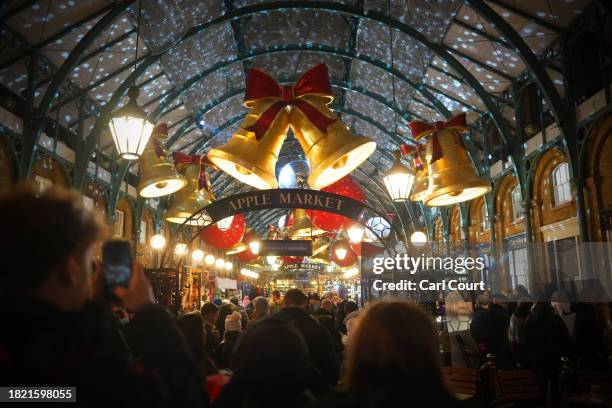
(420, 186)
(190, 199)
(320, 244)
(321, 256)
(302, 227)
(452, 178)
(249, 160)
(158, 176)
(331, 155)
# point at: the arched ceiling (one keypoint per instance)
(194, 55)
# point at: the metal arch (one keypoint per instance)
(438, 49)
(537, 71)
(61, 74)
(75, 55)
(317, 48)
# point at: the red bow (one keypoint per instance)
(262, 86)
(159, 131)
(420, 129)
(413, 149)
(182, 158)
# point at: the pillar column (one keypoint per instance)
(531, 275)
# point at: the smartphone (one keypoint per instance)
(117, 263)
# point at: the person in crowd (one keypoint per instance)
(241, 308)
(489, 328)
(516, 332)
(262, 309)
(271, 367)
(210, 314)
(276, 305)
(518, 293)
(393, 357)
(483, 300)
(314, 302)
(560, 302)
(233, 330)
(319, 342)
(58, 335)
(193, 327)
(352, 313)
(225, 310)
(326, 317)
(547, 341)
(591, 347)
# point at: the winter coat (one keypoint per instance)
(42, 345)
(328, 320)
(319, 342)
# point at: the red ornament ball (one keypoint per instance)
(346, 186)
(213, 236)
(348, 260)
(292, 259)
(247, 255)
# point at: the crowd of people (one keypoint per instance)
(521, 333)
(61, 328)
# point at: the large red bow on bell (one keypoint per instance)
(421, 129)
(262, 86)
(182, 158)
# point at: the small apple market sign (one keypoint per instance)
(284, 198)
(302, 266)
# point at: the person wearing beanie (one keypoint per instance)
(233, 330)
(262, 309)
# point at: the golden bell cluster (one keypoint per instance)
(252, 152)
(446, 174)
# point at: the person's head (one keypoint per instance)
(261, 305)
(520, 291)
(55, 235)
(271, 358)
(210, 312)
(234, 301)
(327, 305)
(295, 298)
(350, 307)
(525, 303)
(192, 327)
(394, 342)
(500, 300)
(276, 295)
(233, 322)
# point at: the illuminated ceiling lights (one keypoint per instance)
(209, 260)
(128, 125)
(349, 273)
(197, 255)
(398, 180)
(418, 238)
(249, 273)
(180, 249)
(158, 242)
(355, 233)
(220, 263)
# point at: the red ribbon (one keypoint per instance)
(421, 129)
(262, 86)
(162, 130)
(182, 158)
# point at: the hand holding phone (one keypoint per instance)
(117, 264)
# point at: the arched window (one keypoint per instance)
(484, 223)
(562, 190)
(517, 212)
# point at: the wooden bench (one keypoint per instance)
(460, 381)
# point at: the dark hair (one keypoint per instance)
(394, 342)
(192, 326)
(271, 351)
(43, 230)
(295, 298)
(350, 307)
(276, 293)
(208, 308)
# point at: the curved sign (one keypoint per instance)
(282, 198)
